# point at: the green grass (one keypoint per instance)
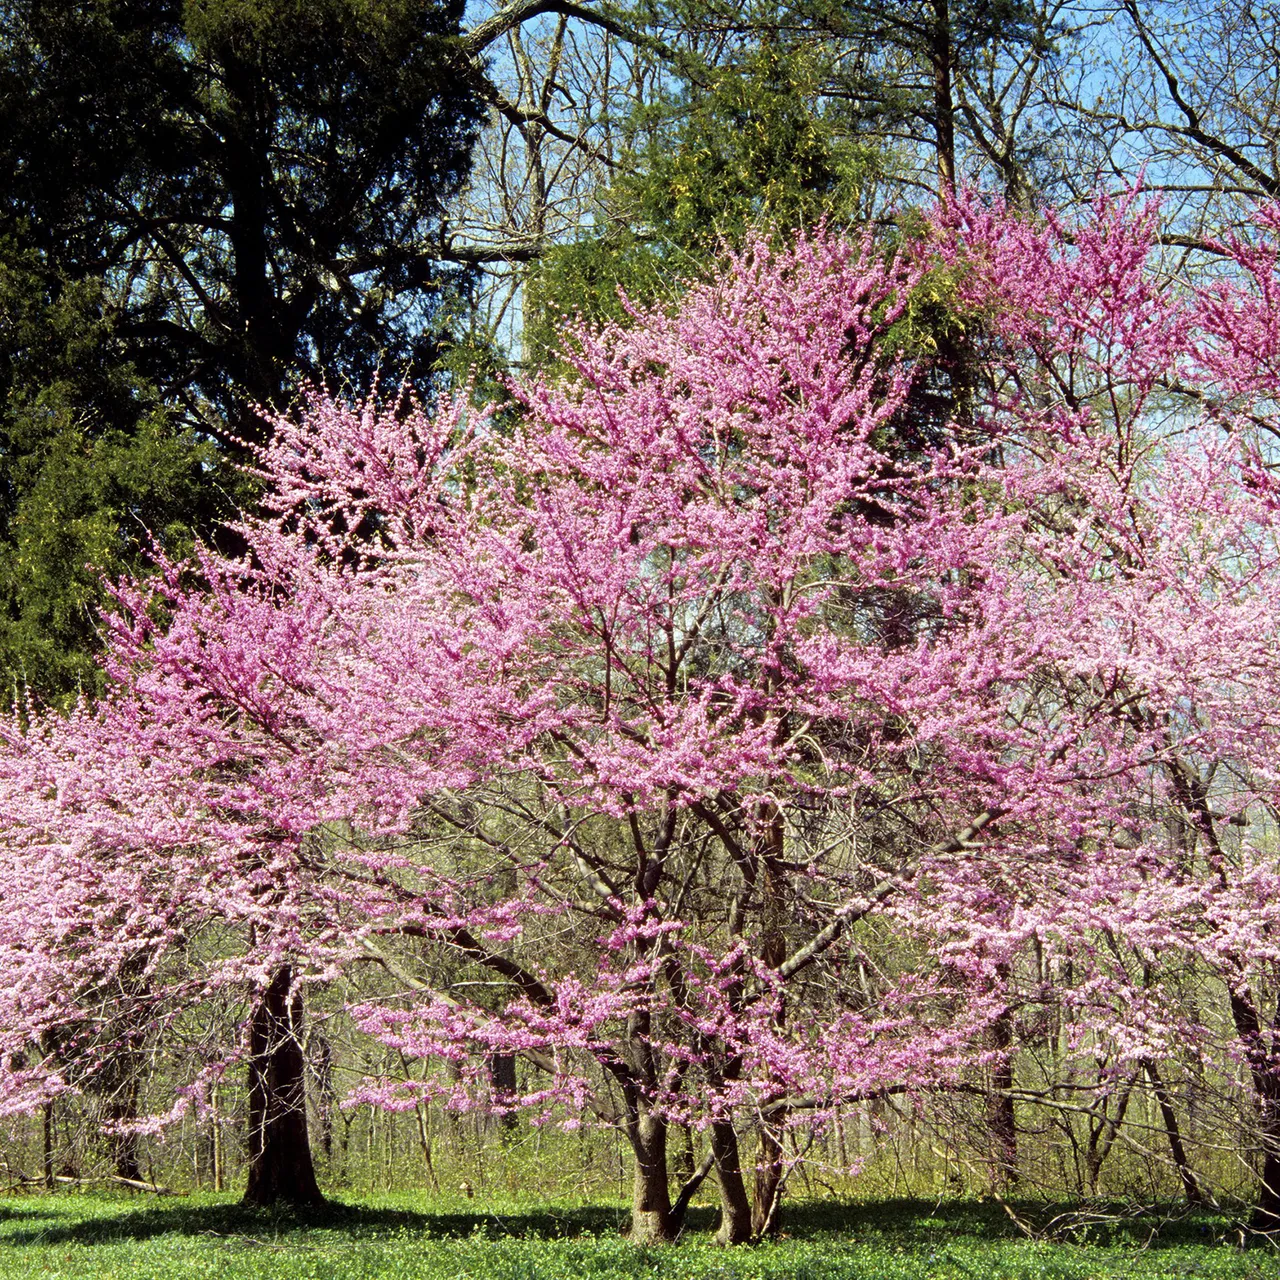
(411, 1238)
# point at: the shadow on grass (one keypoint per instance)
(350, 1222)
(906, 1222)
(20, 1210)
(934, 1222)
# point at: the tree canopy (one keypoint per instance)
(814, 759)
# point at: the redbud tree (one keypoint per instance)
(764, 751)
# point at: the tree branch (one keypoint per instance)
(854, 909)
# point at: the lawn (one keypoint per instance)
(411, 1238)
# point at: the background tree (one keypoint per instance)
(732, 138)
(1186, 93)
(206, 203)
(259, 186)
(92, 467)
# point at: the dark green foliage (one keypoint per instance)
(258, 182)
(93, 468)
(205, 201)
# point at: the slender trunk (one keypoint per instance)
(216, 1120)
(941, 54)
(49, 1182)
(424, 1141)
(768, 1188)
(502, 1082)
(1001, 1120)
(1190, 1183)
(775, 892)
(1102, 1135)
(325, 1099)
(735, 1207)
(280, 1165)
(685, 1159)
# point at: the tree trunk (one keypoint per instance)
(941, 56)
(651, 1219)
(1190, 1183)
(124, 1146)
(280, 1165)
(735, 1207)
(47, 1144)
(776, 912)
(1266, 1213)
(1264, 1068)
(1001, 1120)
(502, 1082)
(768, 1188)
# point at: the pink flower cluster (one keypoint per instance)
(759, 746)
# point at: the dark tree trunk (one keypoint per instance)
(735, 1207)
(1103, 1132)
(1190, 1183)
(1266, 1213)
(502, 1081)
(1264, 1067)
(941, 56)
(47, 1137)
(253, 321)
(1001, 1120)
(776, 894)
(280, 1165)
(119, 1083)
(652, 1221)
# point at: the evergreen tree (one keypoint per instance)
(93, 467)
(206, 202)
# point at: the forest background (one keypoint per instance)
(212, 203)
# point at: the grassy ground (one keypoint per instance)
(91, 1238)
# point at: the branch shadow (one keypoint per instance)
(907, 1221)
(899, 1221)
(333, 1219)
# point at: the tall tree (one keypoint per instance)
(260, 186)
(204, 203)
(92, 468)
(733, 133)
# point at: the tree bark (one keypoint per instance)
(47, 1145)
(502, 1081)
(1190, 1183)
(735, 1208)
(768, 1188)
(1001, 1120)
(124, 1146)
(776, 911)
(652, 1221)
(1264, 1067)
(941, 55)
(280, 1166)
